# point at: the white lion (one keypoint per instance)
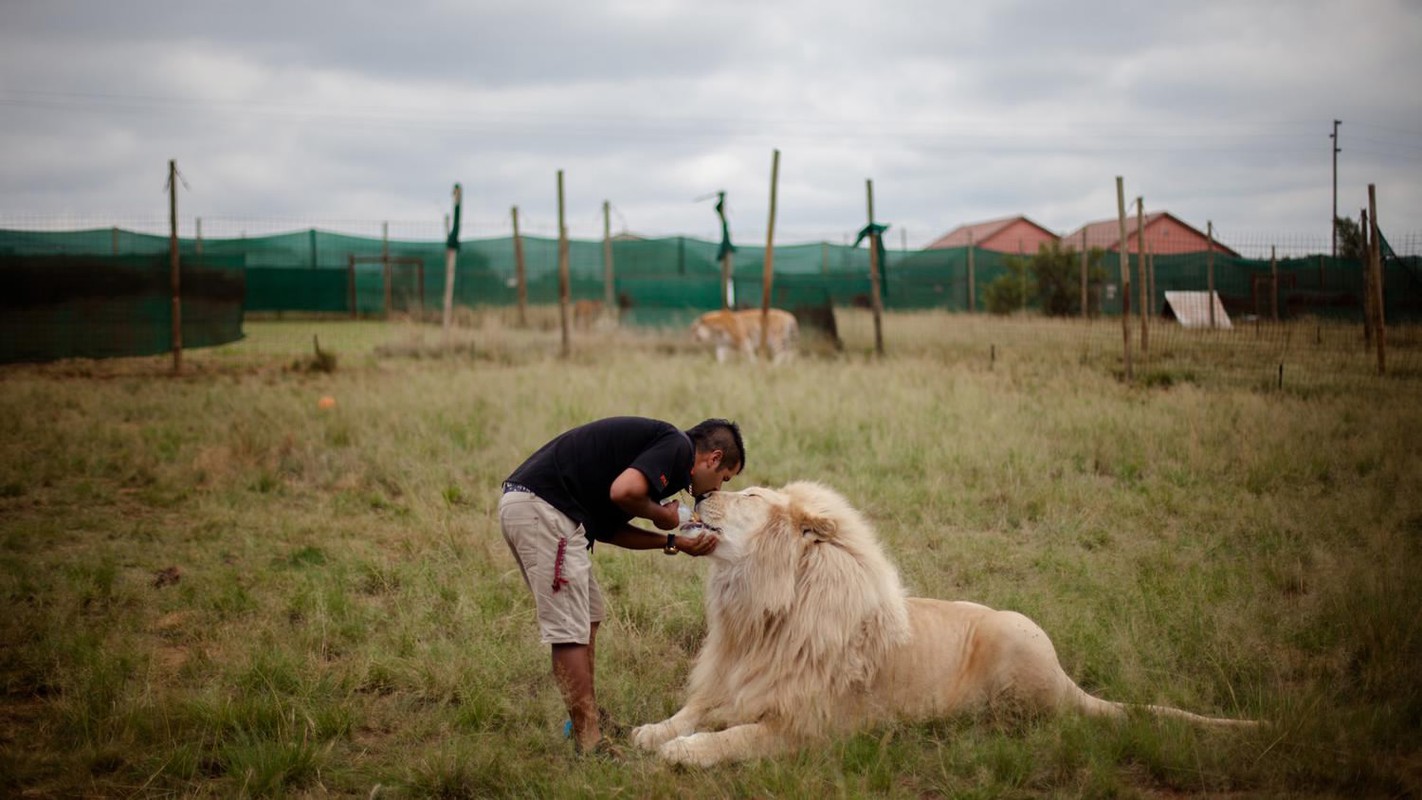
(739, 332)
(810, 634)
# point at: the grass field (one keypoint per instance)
(215, 588)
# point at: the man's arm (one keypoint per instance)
(632, 494)
(635, 538)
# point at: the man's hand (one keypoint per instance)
(635, 538)
(699, 545)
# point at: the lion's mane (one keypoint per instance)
(803, 623)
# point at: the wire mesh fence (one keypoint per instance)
(1308, 355)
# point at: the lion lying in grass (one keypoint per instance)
(809, 634)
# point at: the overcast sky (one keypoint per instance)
(342, 114)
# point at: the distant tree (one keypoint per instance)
(1058, 276)
(1352, 241)
(1009, 293)
(1049, 281)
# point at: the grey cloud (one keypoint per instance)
(958, 111)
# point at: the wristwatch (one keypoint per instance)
(670, 547)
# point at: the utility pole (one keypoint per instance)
(1333, 223)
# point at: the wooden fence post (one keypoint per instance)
(607, 292)
(519, 274)
(388, 274)
(1367, 266)
(1375, 264)
(972, 282)
(1085, 305)
(727, 254)
(1274, 283)
(727, 273)
(173, 264)
(1022, 278)
(351, 283)
(451, 257)
(767, 279)
(876, 299)
(563, 280)
(1150, 262)
(1141, 273)
(1210, 269)
(1125, 275)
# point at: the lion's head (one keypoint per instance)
(717, 327)
(802, 604)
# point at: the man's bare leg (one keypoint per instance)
(573, 670)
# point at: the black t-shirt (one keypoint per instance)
(575, 471)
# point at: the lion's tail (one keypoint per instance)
(1096, 707)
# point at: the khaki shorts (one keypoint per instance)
(536, 532)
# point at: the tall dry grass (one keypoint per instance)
(217, 588)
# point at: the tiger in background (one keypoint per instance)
(739, 331)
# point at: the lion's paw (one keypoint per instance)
(696, 750)
(679, 751)
(652, 736)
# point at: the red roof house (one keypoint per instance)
(1007, 235)
(1165, 234)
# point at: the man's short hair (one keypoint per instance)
(723, 435)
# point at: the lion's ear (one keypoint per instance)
(819, 529)
(817, 510)
(812, 524)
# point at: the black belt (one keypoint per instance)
(510, 486)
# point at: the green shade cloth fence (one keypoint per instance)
(666, 281)
(88, 306)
